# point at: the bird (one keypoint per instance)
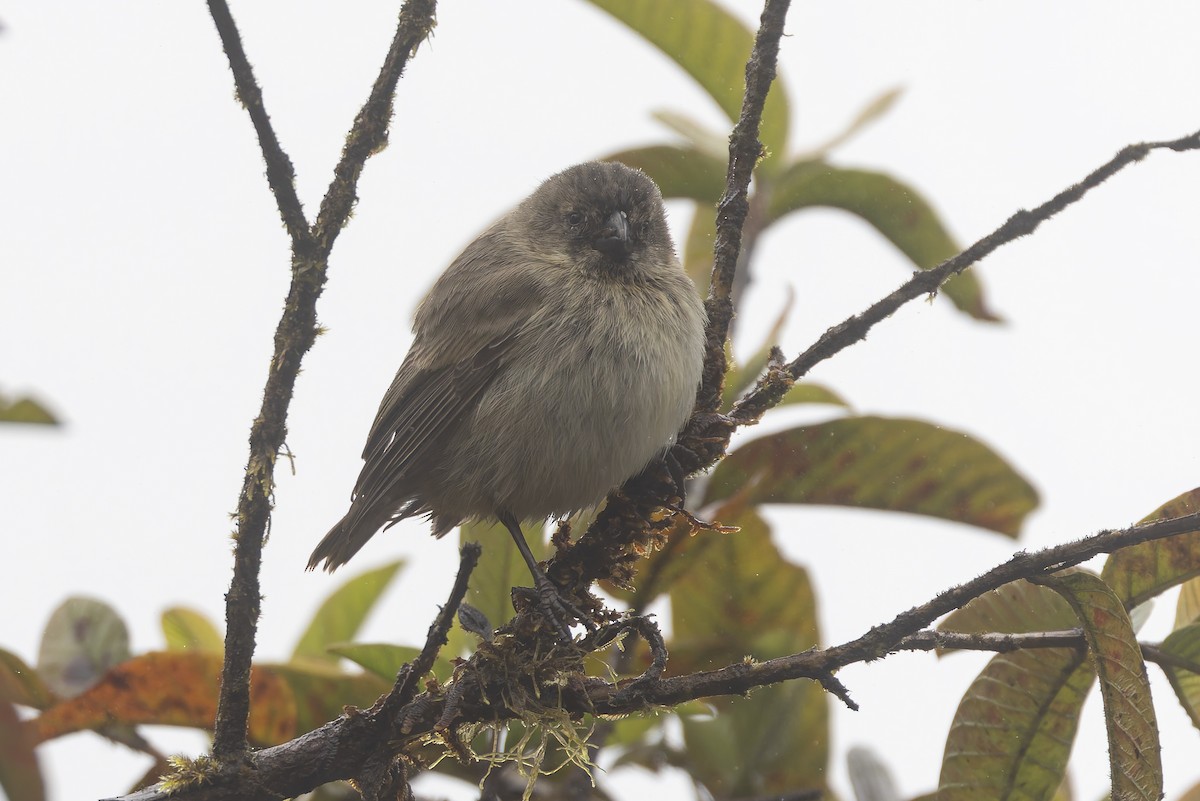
(556, 357)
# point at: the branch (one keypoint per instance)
(280, 175)
(744, 152)
(406, 682)
(776, 383)
(369, 133)
(890, 637)
(930, 639)
(341, 748)
(294, 336)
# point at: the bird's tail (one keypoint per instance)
(347, 537)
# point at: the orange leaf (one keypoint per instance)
(173, 689)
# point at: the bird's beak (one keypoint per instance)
(613, 240)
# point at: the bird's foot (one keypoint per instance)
(555, 608)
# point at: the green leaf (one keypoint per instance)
(892, 208)
(21, 684)
(1142, 571)
(343, 613)
(1012, 734)
(25, 410)
(712, 46)
(321, 694)
(680, 172)
(20, 774)
(500, 567)
(698, 136)
(629, 731)
(1134, 753)
(1016, 608)
(698, 247)
(1185, 644)
(879, 463)
(742, 598)
(83, 639)
(382, 659)
(187, 630)
(871, 112)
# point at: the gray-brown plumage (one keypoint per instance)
(555, 358)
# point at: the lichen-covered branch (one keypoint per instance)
(744, 152)
(341, 748)
(294, 336)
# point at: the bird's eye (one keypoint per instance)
(574, 218)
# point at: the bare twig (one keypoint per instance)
(406, 683)
(294, 336)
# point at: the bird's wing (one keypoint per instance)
(481, 310)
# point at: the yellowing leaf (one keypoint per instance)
(1143, 571)
(1185, 644)
(1134, 753)
(742, 598)
(1015, 608)
(189, 630)
(680, 172)
(1187, 608)
(21, 684)
(20, 774)
(25, 410)
(1014, 727)
(173, 689)
(879, 463)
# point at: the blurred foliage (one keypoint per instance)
(25, 410)
(733, 597)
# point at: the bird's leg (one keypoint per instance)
(677, 475)
(556, 608)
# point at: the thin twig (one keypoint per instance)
(294, 336)
(370, 130)
(744, 152)
(931, 639)
(281, 177)
(406, 682)
(768, 393)
(382, 775)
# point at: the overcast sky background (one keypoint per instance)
(143, 268)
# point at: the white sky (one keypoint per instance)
(144, 266)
